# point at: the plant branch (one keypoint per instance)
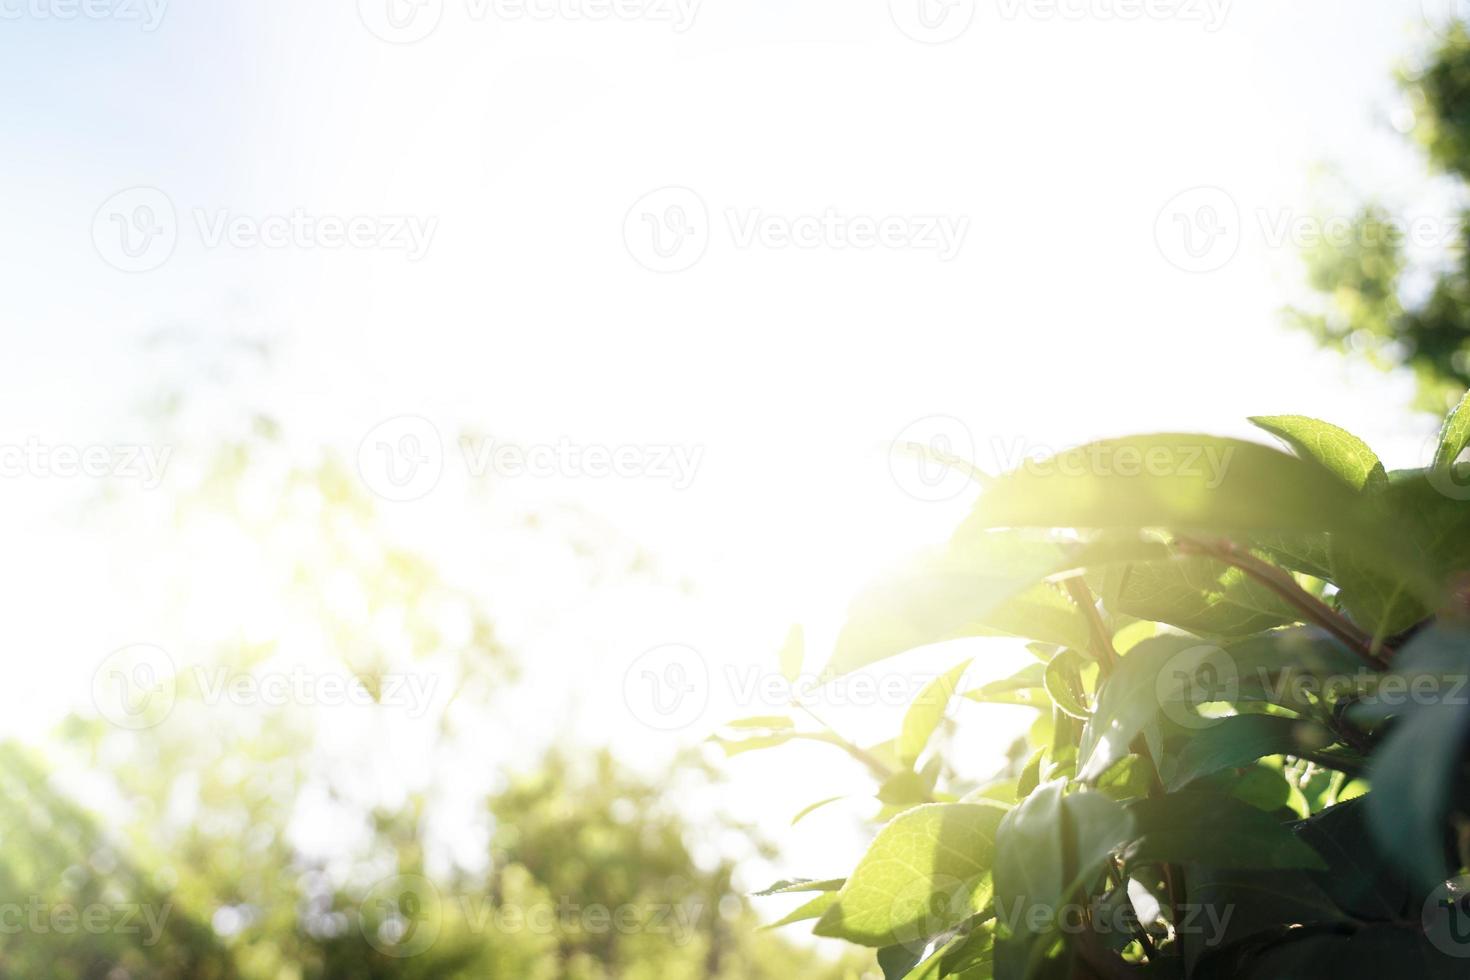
(1280, 581)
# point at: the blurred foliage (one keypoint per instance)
(309, 838)
(1375, 301)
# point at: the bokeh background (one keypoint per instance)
(425, 421)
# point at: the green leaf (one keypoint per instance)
(1237, 741)
(926, 872)
(1216, 830)
(1169, 480)
(1027, 687)
(814, 909)
(897, 961)
(801, 885)
(792, 654)
(966, 957)
(981, 584)
(1454, 436)
(762, 721)
(1431, 525)
(1064, 683)
(1413, 772)
(927, 711)
(1203, 596)
(1337, 449)
(1047, 848)
(1133, 696)
(808, 811)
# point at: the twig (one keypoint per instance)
(1280, 582)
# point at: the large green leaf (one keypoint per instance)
(1414, 772)
(1049, 847)
(1215, 830)
(1240, 740)
(1169, 480)
(979, 585)
(1337, 449)
(926, 712)
(926, 872)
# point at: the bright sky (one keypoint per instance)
(1043, 155)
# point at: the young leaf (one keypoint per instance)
(1454, 436)
(1337, 449)
(926, 872)
(1134, 695)
(925, 714)
(811, 910)
(1064, 684)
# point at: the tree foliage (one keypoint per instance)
(1250, 761)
